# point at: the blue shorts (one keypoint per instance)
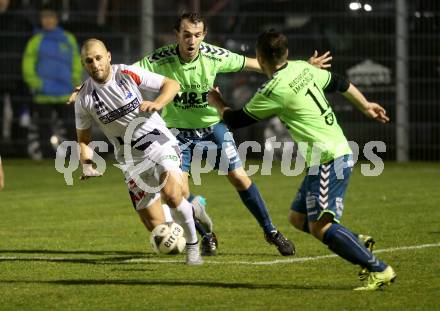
(323, 189)
(214, 144)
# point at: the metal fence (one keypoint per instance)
(388, 48)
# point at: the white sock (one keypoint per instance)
(167, 213)
(183, 215)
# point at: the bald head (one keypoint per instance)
(96, 60)
(92, 43)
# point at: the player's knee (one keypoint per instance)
(239, 179)
(173, 197)
(318, 228)
(315, 230)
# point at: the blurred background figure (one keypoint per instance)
(2, 175)
(51, 68)
(15, 30)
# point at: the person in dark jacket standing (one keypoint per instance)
(51, 67)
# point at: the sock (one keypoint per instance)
(199, 227)
(167, 213)
(183, 215)
(255, 204)
(190, 197)
(345, 244)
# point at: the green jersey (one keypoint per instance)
(189, 108)
(295, 95)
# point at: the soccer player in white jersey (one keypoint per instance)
(146, 150)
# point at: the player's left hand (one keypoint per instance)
(376, 112)
(73, 96)
(322, 61)
(148, 106)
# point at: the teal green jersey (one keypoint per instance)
(295, 95)
(189, 108)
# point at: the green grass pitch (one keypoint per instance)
(82, 247)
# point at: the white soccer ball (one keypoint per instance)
(168, 238)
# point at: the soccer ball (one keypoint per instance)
(168, 238)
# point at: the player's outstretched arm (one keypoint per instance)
(371, 110)
(251, 64)
(168, 91)
(319, 61)
(86, 154)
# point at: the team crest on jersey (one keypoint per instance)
(123, 84)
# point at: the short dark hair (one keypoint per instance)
(272, 46)
(51, 7)
(192, 17)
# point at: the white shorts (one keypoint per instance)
(143, 179)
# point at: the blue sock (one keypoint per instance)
(344, 243)
(255, 204)
(199, 228)
(190, 197)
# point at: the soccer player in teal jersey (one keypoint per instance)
(195, 64)
(295, 94)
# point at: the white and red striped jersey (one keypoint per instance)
(115, 104)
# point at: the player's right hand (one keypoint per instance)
(89, 171)
(150, 106)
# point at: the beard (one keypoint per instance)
(101, 76)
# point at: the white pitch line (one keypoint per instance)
(282, 261)
(256, 263)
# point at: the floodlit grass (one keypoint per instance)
(82, 247)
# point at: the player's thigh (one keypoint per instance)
(172, 187)
(325, 188)
(186, 146)
(185, 184)
(226, 157)
(298, 210)
(298, 220)
(142, 189)
(170, 176)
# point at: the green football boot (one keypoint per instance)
(378, 279)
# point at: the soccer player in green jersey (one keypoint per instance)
(195, 64)
(295, 94)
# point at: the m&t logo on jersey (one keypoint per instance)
(187, 100)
